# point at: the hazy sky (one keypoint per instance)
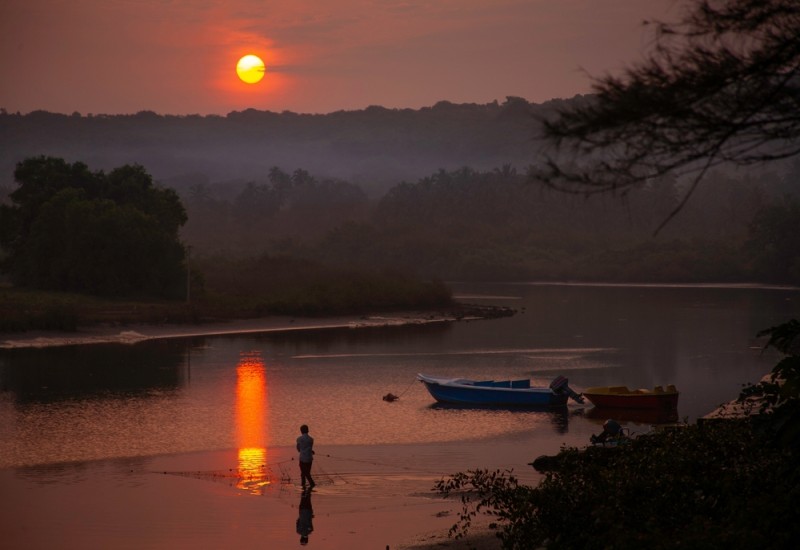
(179, 56)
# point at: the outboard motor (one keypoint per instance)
(560, 385)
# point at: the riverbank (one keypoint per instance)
(125, 333)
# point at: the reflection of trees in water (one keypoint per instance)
(61, 373)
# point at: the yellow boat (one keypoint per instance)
(620, 397)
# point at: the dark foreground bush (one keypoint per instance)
(719, 485)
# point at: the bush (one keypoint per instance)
(292, 286)
(719, 485)
(56, 316)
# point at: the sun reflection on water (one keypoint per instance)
(251, 423)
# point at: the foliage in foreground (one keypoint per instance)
(721, 484)
(715, 486)
(778, 395)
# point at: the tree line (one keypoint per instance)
(469, 224)
(375, 147)
(117, 234)
(66, 227)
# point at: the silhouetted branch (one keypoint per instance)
(721, 86)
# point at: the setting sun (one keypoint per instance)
(250, 69)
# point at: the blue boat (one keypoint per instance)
(512, 393)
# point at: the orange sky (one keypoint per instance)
(179, 56)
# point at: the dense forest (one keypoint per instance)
(498, 225)
(440, 192)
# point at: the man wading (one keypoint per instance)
(305, 446)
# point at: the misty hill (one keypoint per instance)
(374, 147)
(439, 191)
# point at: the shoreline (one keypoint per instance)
(135, 333)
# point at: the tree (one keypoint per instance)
(720, 86)
(72, 229)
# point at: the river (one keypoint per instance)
(247, 394)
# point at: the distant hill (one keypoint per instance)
(440, 191)
(374, 147)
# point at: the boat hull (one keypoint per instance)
(467, 392)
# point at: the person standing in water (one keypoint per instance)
(305, 446)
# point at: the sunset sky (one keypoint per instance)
(179, 56)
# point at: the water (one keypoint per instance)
(162, 397)
(188, 443)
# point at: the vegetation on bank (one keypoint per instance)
(286, 285)
(83, 247)
(231, 290)
(730, 483)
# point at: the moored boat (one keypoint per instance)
(620, 397)
(513, 393)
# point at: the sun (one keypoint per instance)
(250, 69)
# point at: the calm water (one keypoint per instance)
(252, 392)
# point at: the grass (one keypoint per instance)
(230, 292)
(26, 309)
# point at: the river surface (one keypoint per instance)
(87, 432)
(253, 391)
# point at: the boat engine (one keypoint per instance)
(560, 385)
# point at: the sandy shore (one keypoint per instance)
(132, 334)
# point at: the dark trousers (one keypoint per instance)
(305, 474)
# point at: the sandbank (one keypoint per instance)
(131, 334)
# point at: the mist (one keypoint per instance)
(441, 192)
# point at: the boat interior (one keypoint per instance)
(518, 384)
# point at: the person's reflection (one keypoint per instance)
(305, 526)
